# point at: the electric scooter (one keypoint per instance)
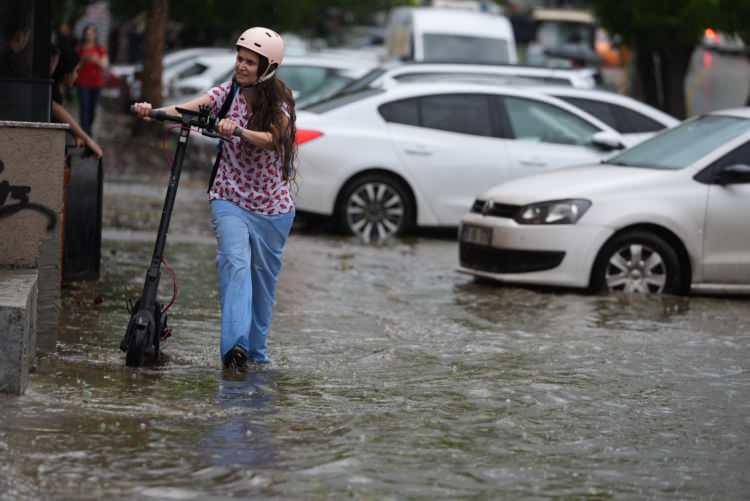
(147, 327)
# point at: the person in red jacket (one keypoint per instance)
(94, 62)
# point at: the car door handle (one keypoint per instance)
(418, 151)
(532, 163)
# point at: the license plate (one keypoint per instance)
(476, 235)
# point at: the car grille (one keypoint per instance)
(494, 260)
(495, 209)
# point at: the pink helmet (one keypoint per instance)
(267, 43)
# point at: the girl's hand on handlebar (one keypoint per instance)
(143, 110)
(226, 127)
(95, 149)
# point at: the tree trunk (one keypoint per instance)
(662, 75)
(674, 71)
(153, 42)
(647, 74)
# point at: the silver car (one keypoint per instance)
(668, 215)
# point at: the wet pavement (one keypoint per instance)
(393, 376)
(716, 81)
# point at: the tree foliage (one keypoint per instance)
(225, 19)
(664, 34)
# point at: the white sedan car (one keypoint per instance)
(395, 73)
(626, 115)
(380, 161)
(664, 216)
(632, 118)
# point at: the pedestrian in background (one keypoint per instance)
(250, 191)
(94, 63)
(64, 69)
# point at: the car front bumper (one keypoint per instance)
(558, 255)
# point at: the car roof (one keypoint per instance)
(461, 86)
(563, 15)
(396, 67)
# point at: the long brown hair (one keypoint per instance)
(272, 99)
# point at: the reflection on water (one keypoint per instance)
(392, 375)
(245, 438)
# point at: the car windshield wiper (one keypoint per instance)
(619, 163)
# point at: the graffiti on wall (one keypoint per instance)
(15, 198)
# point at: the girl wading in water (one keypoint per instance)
(249, 192)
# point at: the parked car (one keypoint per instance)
(563, 37)
(722, 42)
(665, 216)
(449, 35)
(172, 64)
(380, 161)
(626, 115)
(312, 78)
(391, 74)
(200, 75)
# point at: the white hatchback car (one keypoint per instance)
(666, 215)
(380, 161)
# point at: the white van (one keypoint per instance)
(440, 35)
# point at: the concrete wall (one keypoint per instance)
(31, 198)
(18, 305)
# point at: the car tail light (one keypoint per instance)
(305, 135)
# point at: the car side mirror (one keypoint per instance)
(607, 141)
(733, 174)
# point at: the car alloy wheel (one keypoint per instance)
(638, 262)
(636, 268)
(375, 208)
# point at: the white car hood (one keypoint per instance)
(573, 182)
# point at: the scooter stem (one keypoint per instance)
(151, 285)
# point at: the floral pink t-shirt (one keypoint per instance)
(248, 176)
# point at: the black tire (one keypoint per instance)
(656, 268)
(136, 348)
(375, 207)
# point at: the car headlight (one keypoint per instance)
(553, 212)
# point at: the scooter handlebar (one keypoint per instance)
(159, 115)
(237, 133)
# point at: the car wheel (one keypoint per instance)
(375, 207)
(638, 261)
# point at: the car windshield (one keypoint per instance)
(453, 48)
(362, 82)
(331, 86)
(684, 145)
(340, 100)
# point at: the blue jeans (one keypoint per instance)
(250, 247)
(87, 100)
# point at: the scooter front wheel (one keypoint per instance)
(136, 346)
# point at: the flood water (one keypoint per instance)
(393, 376)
